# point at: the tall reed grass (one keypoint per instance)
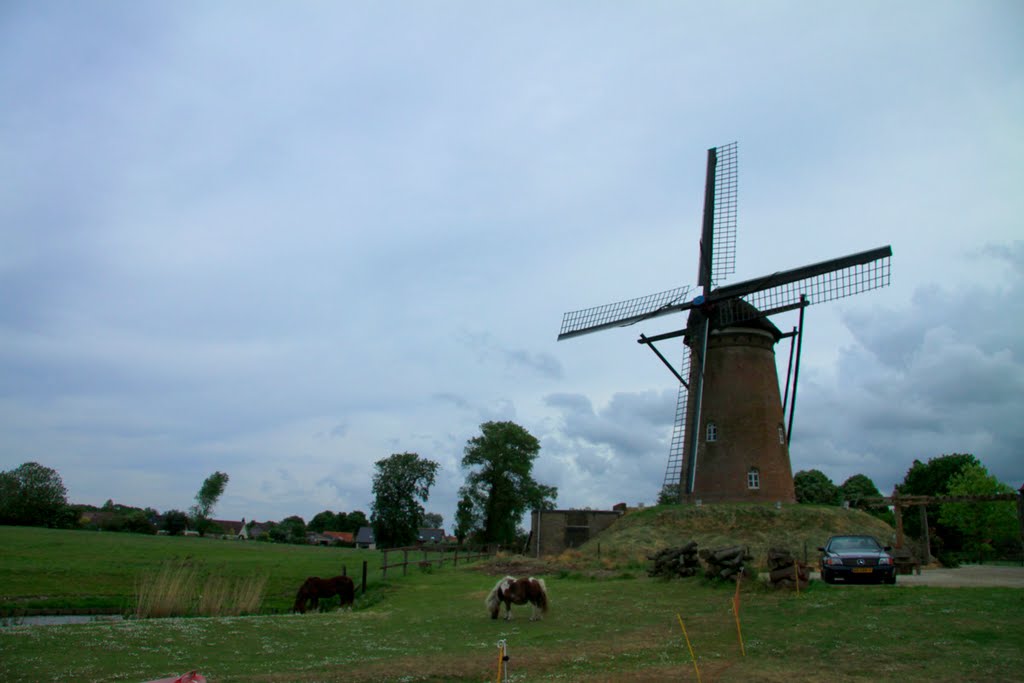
(182, 589)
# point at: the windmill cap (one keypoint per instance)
(736, 313)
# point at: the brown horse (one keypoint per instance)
(315, 588)
(511, 591)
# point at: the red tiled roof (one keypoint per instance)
(345, 536)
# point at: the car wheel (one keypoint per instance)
(826, 576)
(891, 579)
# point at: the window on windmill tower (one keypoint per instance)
(782, 435)
(753, 478)
(712, 431)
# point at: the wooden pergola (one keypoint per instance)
(898, 502)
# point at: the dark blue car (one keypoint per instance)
(856, 559)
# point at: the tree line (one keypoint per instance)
(499, 488)
(956, 530)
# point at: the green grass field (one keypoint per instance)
(433, 626)
(86, 570)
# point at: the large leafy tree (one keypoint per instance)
(354, 521)
(499, 484)
(292, 529)
(209, 493)
(465, 520)
(860, 486)
(174, 522)
(402, 481)
(932, 479)
(34, 495)
(814, 486)
(324, 521)
(983, 525)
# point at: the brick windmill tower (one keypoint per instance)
(730, 442)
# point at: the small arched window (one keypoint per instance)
(712, 432)
(753, 478)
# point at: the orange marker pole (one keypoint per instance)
(735, 612)
(501, 658)
(693, 657)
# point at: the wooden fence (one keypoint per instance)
(426, 556)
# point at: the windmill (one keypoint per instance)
(730, 441)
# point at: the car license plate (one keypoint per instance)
(862, 570)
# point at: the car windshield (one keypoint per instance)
(846, 543)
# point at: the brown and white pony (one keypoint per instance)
(513, 591)
(315, 588)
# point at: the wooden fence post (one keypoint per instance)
(927, 559)
(898, 509)
(364, 577)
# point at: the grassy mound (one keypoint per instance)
(643, 532)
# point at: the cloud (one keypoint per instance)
(944, 375)
(287, 243)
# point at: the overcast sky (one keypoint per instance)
(286, 240)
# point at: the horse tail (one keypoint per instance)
(347, 591)
(542, 600)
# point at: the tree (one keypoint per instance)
(433, 520)
(983, 525)
(174, 522)
(669, 494)
(355, 521)
(813, 486)
(465, 520)
(292, 529)
(932, 479)
(860, 486)
(34, 495)
(210, 492)
(400, 482)
(324, 521)
(499, 484)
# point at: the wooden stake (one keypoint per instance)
(736, 615)
(693, 657)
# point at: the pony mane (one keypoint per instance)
(492, 598)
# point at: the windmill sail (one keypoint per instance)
(723, 256)
(821, 282)
(622, 313)
(674, 468)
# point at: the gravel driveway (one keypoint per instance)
(968, 575)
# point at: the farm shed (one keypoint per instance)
(560, 530)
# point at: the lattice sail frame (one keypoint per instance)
(723, 253)
(830, 286)
(674, 467)
(620, 314)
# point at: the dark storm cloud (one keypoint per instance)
(943, 375)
